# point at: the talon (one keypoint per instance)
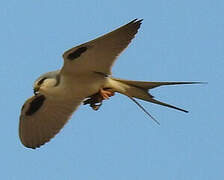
(96, 106)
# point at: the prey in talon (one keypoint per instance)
(86, 69)
(95, 101)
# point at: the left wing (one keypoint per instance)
(42, 118)
(99, 55)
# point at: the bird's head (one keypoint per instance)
(45, 82)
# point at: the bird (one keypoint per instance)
(85, 78)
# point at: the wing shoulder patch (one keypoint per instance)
(35, 105)
(76, 53)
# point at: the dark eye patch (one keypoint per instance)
(41, 81)
(77, 53)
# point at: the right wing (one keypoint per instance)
(99, 54)
(42, 118)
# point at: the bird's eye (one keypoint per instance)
(41, 81)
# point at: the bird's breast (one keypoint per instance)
(81, 86)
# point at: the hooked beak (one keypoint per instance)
(36, 90)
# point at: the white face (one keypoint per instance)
(48, 83)
(43, 85)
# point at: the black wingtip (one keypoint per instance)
(136, 20)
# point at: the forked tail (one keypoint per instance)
(140, 90)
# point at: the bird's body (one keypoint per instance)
(75, 87)
(86, 74)
(81, 86)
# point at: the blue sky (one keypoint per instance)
(179, 40)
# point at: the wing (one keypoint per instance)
(99, 55)
(42, 118)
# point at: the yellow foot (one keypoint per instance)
(106, 93)
(95, 101)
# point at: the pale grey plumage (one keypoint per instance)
(39, 127)
(85, 70)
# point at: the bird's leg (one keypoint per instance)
(95, 100)
(106, 93)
